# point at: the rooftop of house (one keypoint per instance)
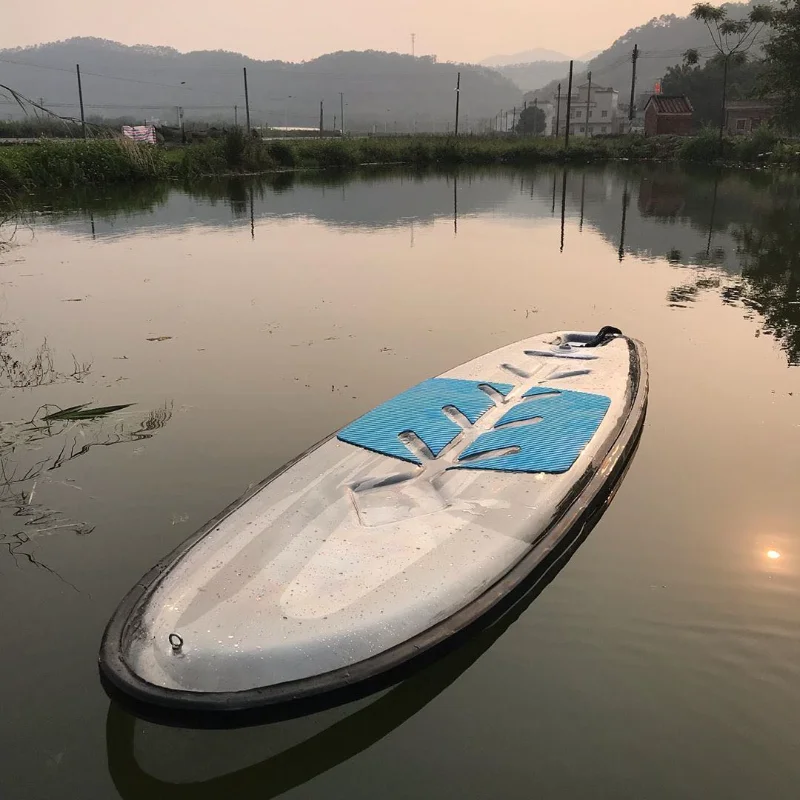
(754, 103)
(671, 103)
(596, 87)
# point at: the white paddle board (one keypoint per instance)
(390, 536)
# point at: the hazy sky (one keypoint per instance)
(454, 30)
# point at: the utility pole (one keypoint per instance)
(80, 97)
(458, 98)
(514, 120)
(569, 105)
(505, 123)
(558, 111)
(634, 58)
(334, 123)
(236, 116)
(341, 103)
(588, 105)
(246, 100)
(321, 121)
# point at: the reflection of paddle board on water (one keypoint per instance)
(384, 541)
(154, 761)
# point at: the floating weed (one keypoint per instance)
(83, 412)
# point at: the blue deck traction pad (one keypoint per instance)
(565, 423)
(420, 411)
(568, 420)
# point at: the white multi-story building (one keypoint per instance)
(549, 110)
(594, 114)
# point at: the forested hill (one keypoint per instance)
(386, 90)
(662, 43)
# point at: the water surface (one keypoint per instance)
(245, 321)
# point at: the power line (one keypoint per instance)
(95, 74)
(293, 70)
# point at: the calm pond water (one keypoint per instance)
(246, 321)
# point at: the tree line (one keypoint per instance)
(738, 69)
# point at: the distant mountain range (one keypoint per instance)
(538, 54)
(662, 42)
(524, 57)
(538, 73)
(386, 91)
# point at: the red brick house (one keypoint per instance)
(665, 113)
(745, 116)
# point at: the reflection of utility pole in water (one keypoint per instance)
(455, 205)
(583, 200)
(252, 216)
(625, 201)
(713, 214)
(563, 206)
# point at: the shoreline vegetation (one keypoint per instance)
(100, 162)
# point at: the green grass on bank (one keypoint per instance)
(66, 164)
(57, 165)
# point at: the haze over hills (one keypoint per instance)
(535, 55)
(662, 42)
(532, 69)
(538, 73)
(524, 57)
(385, 90)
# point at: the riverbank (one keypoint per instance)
(70, 164)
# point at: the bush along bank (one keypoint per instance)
(57, 165)
(94, 162)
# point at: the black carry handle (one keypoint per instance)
(606, 332)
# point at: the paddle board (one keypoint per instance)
(389, 537)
